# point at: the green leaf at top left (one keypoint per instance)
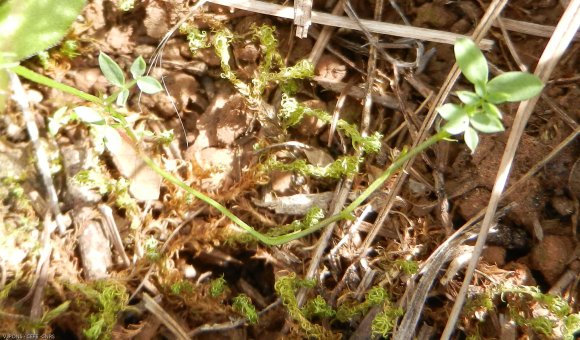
(31, 26)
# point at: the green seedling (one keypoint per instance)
(478, 111)
(115, 76)
(105, 135)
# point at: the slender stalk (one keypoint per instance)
(42, 80)
(278, 240)
(345, 214)
(269, 240)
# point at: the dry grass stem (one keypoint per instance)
(529, 28)
(154, 308)
(302, 17)
(338, 21)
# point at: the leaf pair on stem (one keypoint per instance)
(478, 110)
(114, 74)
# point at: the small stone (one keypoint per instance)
(155, 21)
(551, 256)
(434, 15)
(563, 205)
(120, 39)
(218, 163)
(281, 182)
(494, 255)
(331, 68)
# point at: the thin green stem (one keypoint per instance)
(269, 240)
(169, 177)
(396, 165)
(42, 80)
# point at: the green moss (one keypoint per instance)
(286, 287)
(243, 305)
(385, 321)
(345, 165)
(312, 217)
(408, 267)
(521, 303)
(375, 296)
(217, 287)
(106, 298)
(317, 308)
(181, 287)
(125, 5)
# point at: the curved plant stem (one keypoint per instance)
(42, 80)
(269, 240)
(345, 214)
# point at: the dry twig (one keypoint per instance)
(338, 21)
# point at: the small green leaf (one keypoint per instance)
(517, 86)
(122, 97)
(480, 90)
(497, 97)
(58, 120)
(450, 111)
(468, 97)
(457, 125)
(111, 138)
(89, 115)
(491, 109)
(111, 70)
(486, 123)
(471, 139)
(471, 61)
(138, 67)
(149, 85)
(98, 137)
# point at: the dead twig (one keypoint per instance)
(302, 17)
(226, 326)
(154, 308)
(529, 28)
(42, 269)
(358, 93)
(42, 164)
(343, 188)
(324, 36)
(339, 21)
